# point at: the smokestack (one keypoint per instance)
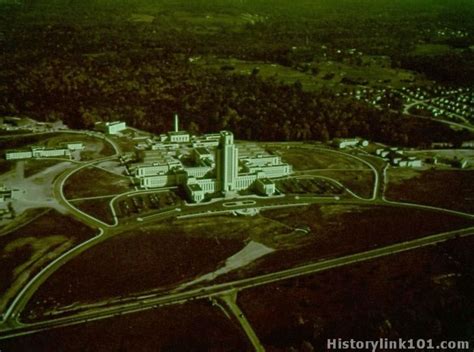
(176, 123)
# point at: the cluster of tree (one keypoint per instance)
(146, 89)
(455, 68)
(104, 68)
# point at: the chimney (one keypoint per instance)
(176, 123)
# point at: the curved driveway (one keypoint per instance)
(10, 325)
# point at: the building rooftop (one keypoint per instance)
(194, 187)
(266, 181)
(202, 151)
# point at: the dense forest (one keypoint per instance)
(88, 63)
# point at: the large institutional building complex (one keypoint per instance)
(42, 152)
(207, 164)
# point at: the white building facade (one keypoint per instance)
(209, 165)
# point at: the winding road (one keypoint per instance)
(12, 326)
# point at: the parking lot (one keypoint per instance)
(317, 186)
(145, 203)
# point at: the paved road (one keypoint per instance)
(428, 103)
(376, 186)
(11, 314)
(407, 107)
(107, 311)
(99, 135)
(230, 300)
(21, 300)
(10, 326)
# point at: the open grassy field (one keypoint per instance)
(335, 230)
(211, 22)
(17, 142)
(425, 293)
(92, 182)
(309, 186)
(25, 250)
(452, 189)
(6, 165)
(125, 143)
(35, 166)
(21, 219)
(329, 76)
(360, 182)
(304, 159)
(149, 258)
(94, 147)
(195, 326)
(97, 208)
(432, 49)
(164, 255)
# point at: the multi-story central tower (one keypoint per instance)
(227, 162)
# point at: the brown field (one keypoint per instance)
(97, 208)
(425, 293)
(27, 249)
(338, 230)
(309, 159)
(6, 165)
(452, 189)
(150, 258)
(193, 326)
(22, 219)
(92, 182)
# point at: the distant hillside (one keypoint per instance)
(463, 7)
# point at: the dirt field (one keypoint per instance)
(193, 326)
(426, 293)
(452, 189)
(29, 248)
(91, 182)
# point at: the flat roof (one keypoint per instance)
(113, 123)
(202, 150)
(265, 181)
(194, 187)
(18, 151)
